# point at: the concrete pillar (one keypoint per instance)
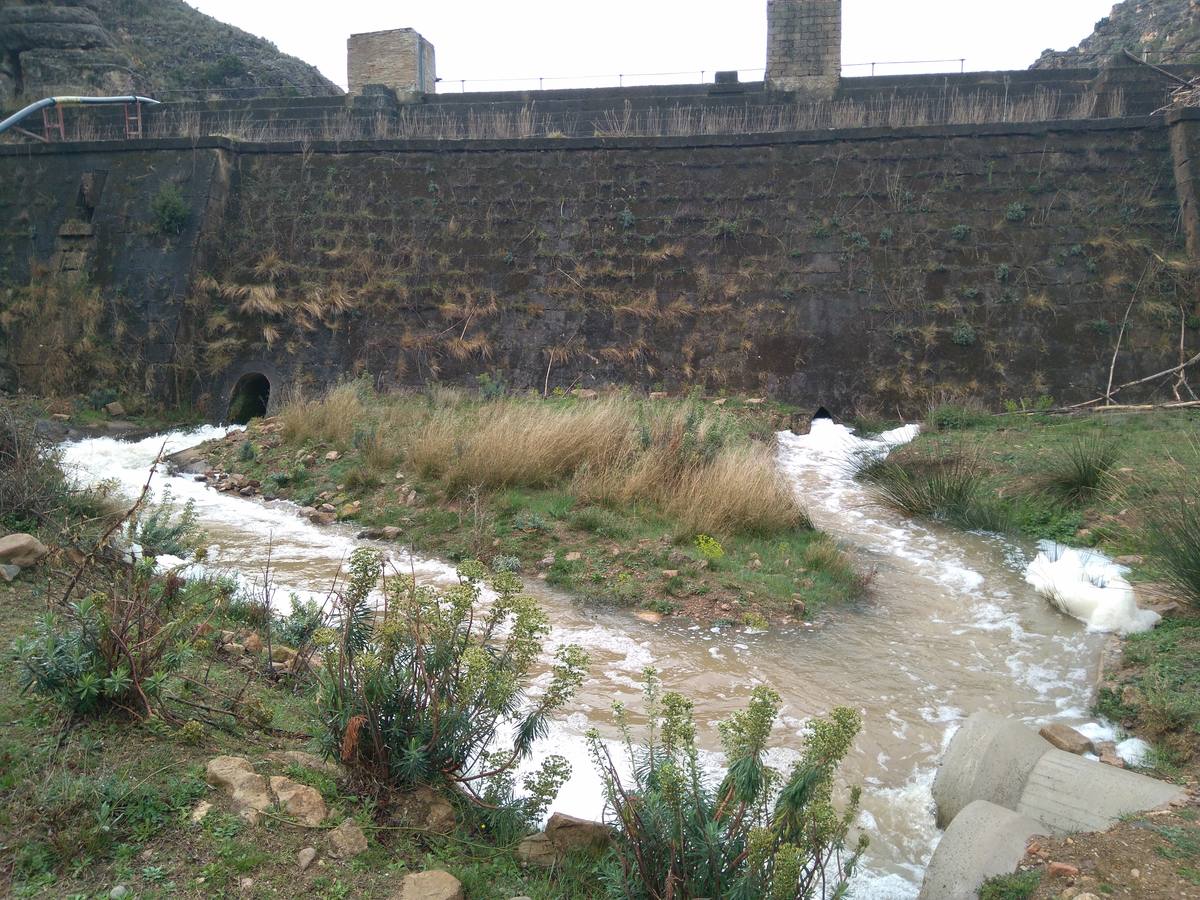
(804, 46)
(399, 59)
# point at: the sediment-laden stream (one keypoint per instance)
(950, 627)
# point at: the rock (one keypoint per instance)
(1064, 737)
(307, 512)
(332, 456)
(118, 892)
(9, 573)
(431, 810)
(537, 851)
(246, 884)
(387, 533)
(282, 654)
(546, 561)
(658, 395)
(670, 573)
(305, 857)
(347, 840)
(247, 790)
(299, 800)
(200, 810)
(1110, 758)
(115, 409)
(647, 615)
(1062, 870)
(585, 394)
(756, 401)
(302, 759)
(573, 556)
(234, 649)
(569, 833)
(1135, 873)
(431, 885)
(23, 550)
(253, 643)
(327, 508)
(324, 518)
(1132, 560)
(1087, 896)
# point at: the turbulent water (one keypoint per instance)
(951, 627)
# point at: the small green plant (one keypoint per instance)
(1016, 212)
(1100, 326)
(960, 232)
(504, 563)
(963, 334)
(1003, 272)
(1020, 886)
(957, 416)
(626, 219)
(886, 235)
(710, 548)
(246, 452)
(753, 831)
(491, 388)
(171, 212)
(529, 521)
(101, 397)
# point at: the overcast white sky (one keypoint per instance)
(491, 39)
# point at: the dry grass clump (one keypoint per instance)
(523, 443)
(741, 490)
(332, 417)
(690, 462)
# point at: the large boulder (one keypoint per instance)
(22, 550)
(432, 885)
(537, 851)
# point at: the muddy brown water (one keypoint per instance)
(950, 627)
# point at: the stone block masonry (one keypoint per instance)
(804, 46)
(399, 59)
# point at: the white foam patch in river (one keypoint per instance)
(950, 627)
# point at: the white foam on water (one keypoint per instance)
(1087, 585)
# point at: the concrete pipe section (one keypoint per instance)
(1000, 783)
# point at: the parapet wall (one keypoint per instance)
(867, 267)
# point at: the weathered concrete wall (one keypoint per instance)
(399, 59)
(879, 267)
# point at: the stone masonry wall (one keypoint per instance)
(804, 45)
(400, 59)
(879, 268)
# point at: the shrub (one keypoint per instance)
(113, 652)
(429, 690)
(1016, 212)
(1083, 471)
(171, 212)
(960, 232)
(937, 485)
(955, 416)
(32, 487)
(963, 334)
(710, 548)
(297, 628)
(167, 529)
(1019, 886)
(1173, 538)
(753, 832)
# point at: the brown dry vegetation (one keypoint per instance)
(688, 461)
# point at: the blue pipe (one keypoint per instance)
(70, 101)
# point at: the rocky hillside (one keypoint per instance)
(1167, 30)
(155, 47)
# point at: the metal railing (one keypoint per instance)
(630, 79)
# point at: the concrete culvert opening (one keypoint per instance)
(250, 397)
(822, 413)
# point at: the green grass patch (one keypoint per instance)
(1018, 886)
